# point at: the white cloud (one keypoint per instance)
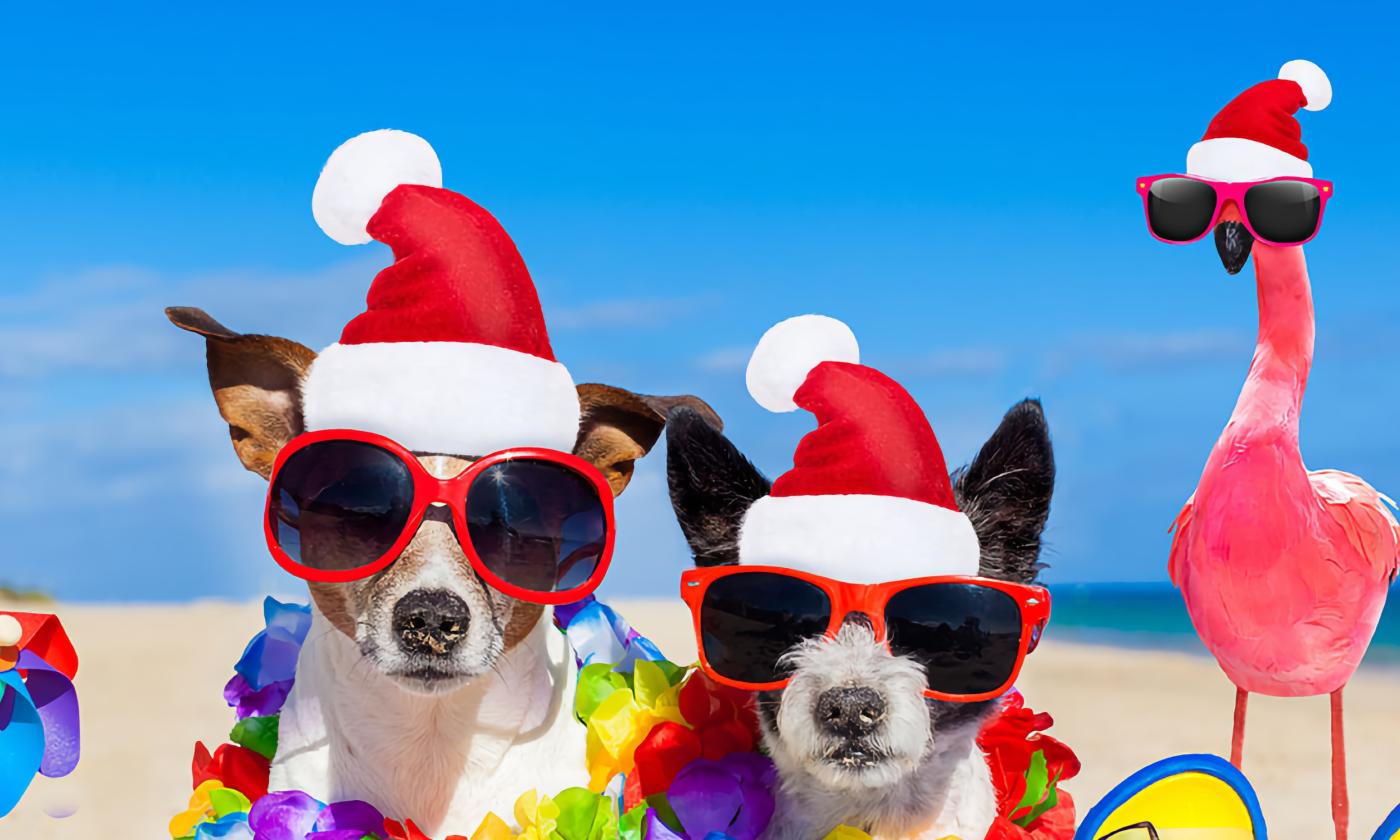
(1139, 351)
(636, 312)
(113, 455)
(724, 359)
(960, 361)
(110, 320)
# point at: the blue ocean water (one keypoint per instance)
(1152, 615)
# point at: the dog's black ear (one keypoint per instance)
(256, 380)
(1005, 491)
(712, 486)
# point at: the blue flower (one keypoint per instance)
(229, 827)
(598, 634)
(271, 656)
(265, 672)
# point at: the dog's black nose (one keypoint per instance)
(430, 622)
(850, 712)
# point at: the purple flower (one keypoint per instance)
(347, 821)
(293, 815)
(249, 703)
(285, 815)
(730, 798)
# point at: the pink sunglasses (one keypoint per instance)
(1279, 211)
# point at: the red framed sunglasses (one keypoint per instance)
(536, 524)
(971, 634)
(1278, 211)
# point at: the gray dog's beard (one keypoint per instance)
(881, 771)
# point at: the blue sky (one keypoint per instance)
(959, 188)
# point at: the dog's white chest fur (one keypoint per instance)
(349, 732)
(950, 794)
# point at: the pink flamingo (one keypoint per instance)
(1284, 570)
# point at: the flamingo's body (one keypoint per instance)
(1284, 571)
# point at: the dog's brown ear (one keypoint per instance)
(256, 381)
(618, 427)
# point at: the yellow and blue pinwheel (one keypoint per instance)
(1186, 797)
(1390, 829)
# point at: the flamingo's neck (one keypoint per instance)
(1272, 395)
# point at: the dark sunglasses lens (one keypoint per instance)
(1283, 211)
(748, 621)
(1141, 831)
(966, 636)
(340, 505)
(537, 525)
(1180, 209)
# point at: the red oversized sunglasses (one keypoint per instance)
(1278, 211)
(536, 524)
(971, 634)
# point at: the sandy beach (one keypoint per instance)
(150, 680)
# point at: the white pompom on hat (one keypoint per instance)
(361, 172)
(1317, 88)
(789, 350)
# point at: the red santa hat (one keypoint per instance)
(1256, 136)
(868, 498)
(451, 353)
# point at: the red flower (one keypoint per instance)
(721, 722)
(409, 831)
(1011, 741)
(236, 767)
(1055, 824)
(663, 753)
(704, 702)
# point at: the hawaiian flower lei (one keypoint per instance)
(671, 756)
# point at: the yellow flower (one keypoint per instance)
(846, 832)
(537, 816)
(201, 810)
(493, 828)
(624, 718)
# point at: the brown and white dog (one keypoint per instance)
(869, 500)
(421, 689)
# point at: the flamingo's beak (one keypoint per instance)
(1232, 239)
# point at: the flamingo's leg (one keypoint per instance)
(1341, 815)
(1237, 738)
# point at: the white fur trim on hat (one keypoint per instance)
(1238, 159)
(859, 538)
(443, 397)
(1317, 88)
(361, 172)
(789, 350)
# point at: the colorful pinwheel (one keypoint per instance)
(38, 705)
